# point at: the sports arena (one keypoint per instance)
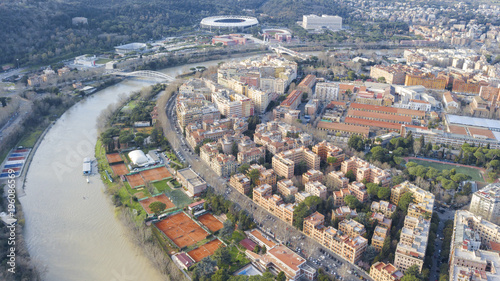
(229, 22)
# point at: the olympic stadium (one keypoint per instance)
(229, 22)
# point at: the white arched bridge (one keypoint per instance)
(147, 74)
(282, 50)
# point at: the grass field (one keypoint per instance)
(473, 173)
(179, 198)
(162, 186)
(30, 139)
(102, 61)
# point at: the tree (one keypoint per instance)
(243, 168)
(254, 175)
(405, 201)
(234, 149)
(227, 229)
(370, 254)
(384, 193)
(139, 140)
(378, 153)
(281, 276)
(220, 275)
(300, 168)
(157, 207)
(350, 175)
(381, 79)
(331, 160)
(256, 249)
(222, 256)
(352, 201)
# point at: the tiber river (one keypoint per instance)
(71, 229)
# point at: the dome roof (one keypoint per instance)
(138, 157)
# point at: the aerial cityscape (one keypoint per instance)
(250, 140)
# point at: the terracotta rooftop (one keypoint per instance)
(457, 130)
(287, 257)
(372, 123)
(258, 235)
(343, 127)
(377, 115)
(387, 109)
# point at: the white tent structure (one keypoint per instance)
(138, 158)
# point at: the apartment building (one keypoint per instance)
(412, 243)
(487, 231)
(326, 92)
(312, 175)
(284, 162)
(380, 271)
(266, 176)
(381, 219)
(208, 151)
(383, 207)
(348, 247)
(240, 182)
(325, 150)
(337, 180)
(486, 202)
(301, 196)
(344, 212)
(224, 165)
(366, 171)
(352, 228)
(286, 187)
(195, 112)
(292, 100)
(251, 155)
(307, 84)
(394, 74)
(379, 235)
(358, 189)
(473, 254)
(419, 195)
(273, 203)
(338, 197)
(316, 188)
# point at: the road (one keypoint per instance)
(447, 214)
(268, 223)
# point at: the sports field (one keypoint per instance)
(155, 174)
(119, 169)
(210, 222)
(162, 198)
(135, 180)
(182, 230)
(114, 158)
(205, 250)
(474, 173)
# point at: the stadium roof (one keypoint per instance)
(473, 121)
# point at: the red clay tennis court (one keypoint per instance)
(135, 180)
(119, 169)
(155, 174)
(205, 250)
(182, 230)
(210, 222)
(162, 198)
(114, 158)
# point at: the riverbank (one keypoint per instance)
(129, 211)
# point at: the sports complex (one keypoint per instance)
(229, 22)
